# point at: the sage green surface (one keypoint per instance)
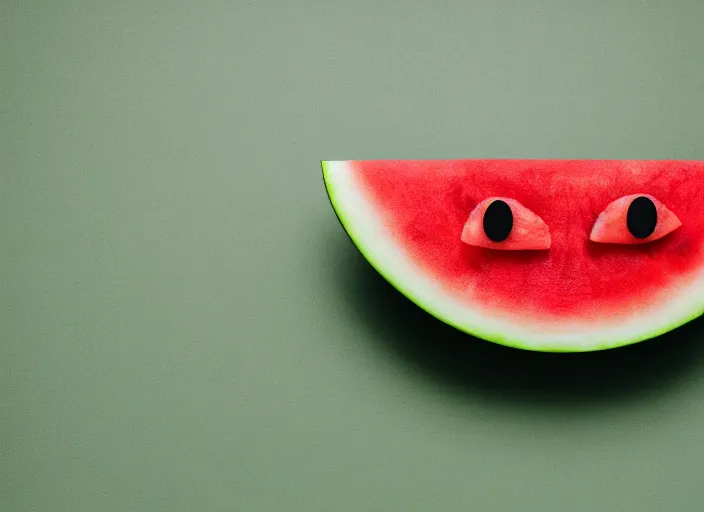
(184, 324)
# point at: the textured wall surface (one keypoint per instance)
(185, 326)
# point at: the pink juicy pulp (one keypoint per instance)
(426, 203)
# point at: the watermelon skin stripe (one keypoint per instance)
(363, 220)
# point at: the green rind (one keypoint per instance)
(478, 332)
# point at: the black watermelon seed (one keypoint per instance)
(642, 217)
(498, 221)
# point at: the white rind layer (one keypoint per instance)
(676, 305)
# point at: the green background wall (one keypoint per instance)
(185, 326)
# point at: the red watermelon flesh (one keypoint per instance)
(425, 204)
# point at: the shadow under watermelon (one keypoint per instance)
(453, 359)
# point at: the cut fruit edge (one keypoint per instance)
(363, 224)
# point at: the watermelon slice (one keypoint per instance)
(546, 255)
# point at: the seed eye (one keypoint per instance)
(498, 221)
(505, 224)
(642, 217)
(634, 219)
